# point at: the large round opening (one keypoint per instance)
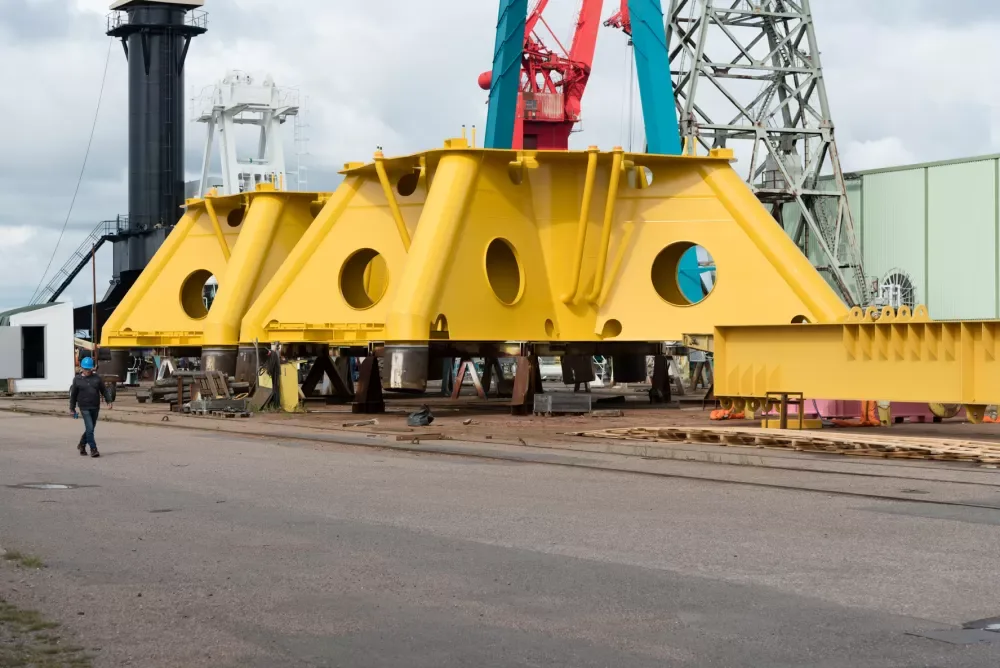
(235, 217)
(407, 184)
(364, 278)
(197, 293)
(503, 271)
(683, 273)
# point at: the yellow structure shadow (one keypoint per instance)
(241, 240)
(893, 356)
(480, 245)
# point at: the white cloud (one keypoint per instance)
(858, 155)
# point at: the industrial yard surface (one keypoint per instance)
(183, 546)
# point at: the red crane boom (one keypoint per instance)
(553, 83)
(620, 19)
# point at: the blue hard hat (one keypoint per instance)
(87, 363)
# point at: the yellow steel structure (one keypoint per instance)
(480, 245)
(241, 240)
(894, 356)
(471, 245)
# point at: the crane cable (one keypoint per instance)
(79, 181)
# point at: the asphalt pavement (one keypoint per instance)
(187, 548)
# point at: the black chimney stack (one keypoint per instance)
(156, 35)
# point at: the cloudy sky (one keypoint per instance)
(908, 81)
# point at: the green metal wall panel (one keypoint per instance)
(937, 222)
(892, 228)
(962, 240)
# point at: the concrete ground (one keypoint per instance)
(185, 547)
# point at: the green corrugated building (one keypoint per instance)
(939, 223)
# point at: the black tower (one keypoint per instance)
(156, 35)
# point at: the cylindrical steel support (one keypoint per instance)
(221, 358)
(121, 359)
(247, 361)
(405, 368)
(577, 369)
(441, 221)
(222, 326)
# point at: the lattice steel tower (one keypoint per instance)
(749, 70)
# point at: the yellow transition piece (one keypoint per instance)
(483, 245)
(241, 240)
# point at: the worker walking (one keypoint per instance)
(86, 393)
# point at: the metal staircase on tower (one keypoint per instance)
(107, 230)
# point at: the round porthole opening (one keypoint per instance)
(197, 293)
(683, 274)
(503, 271)
(364, 278)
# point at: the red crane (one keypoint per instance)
(552, 83)
(620, 19)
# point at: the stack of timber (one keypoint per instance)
(192, 385)
(859, 445)
(165, 391)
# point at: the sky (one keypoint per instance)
(908, 81)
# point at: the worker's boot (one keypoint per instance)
(82, 449)
(94, 452)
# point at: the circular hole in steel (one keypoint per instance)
(235, 217)
(407, 184)
(683, 274)
(364, 278)
(194, 295)
(503, 271)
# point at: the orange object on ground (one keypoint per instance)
(869, 417)
(722, 414)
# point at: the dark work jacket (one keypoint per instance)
(86, 391)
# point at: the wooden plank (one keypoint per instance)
(847, 444)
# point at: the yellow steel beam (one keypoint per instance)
(217, 228)
(582, 224)
(609, 218)
(887, 355)
(397, 215)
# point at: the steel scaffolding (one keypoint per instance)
(749, 70)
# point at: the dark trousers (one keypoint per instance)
(89, 416)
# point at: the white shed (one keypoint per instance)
(36, 348)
